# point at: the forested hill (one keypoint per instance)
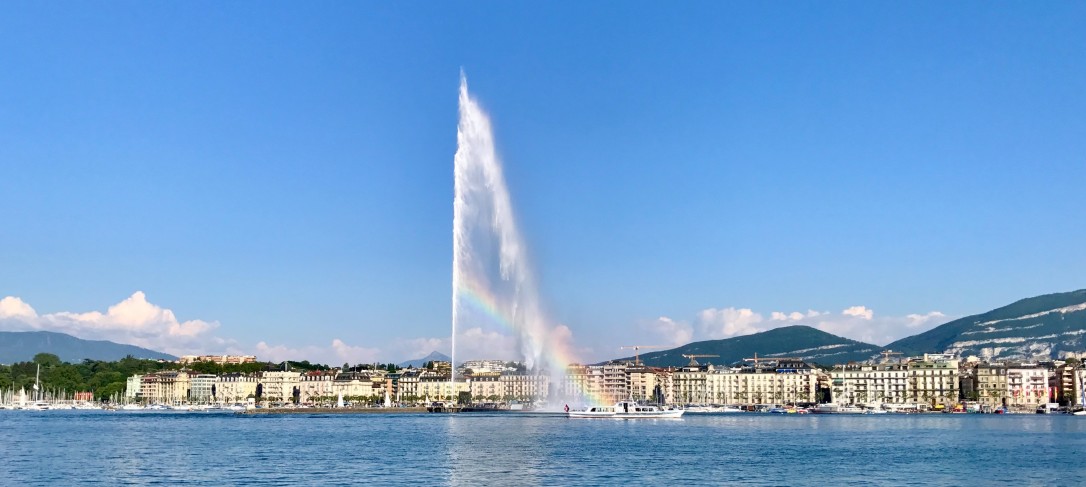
(21, 346)
(801, 341)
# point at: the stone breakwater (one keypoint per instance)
(412, 410)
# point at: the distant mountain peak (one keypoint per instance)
(434, 356)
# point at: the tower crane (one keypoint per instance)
(636, 349)
(694, 363)
(886, 355)
(756, 358)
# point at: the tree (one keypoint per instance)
(46, 359)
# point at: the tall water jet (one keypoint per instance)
(493, 283)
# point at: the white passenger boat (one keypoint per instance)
(836, 409)
(627, 410)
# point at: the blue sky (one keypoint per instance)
(274, 177)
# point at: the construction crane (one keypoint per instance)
(886, 355)
(755, 359)
(694, 363)
(636, 349)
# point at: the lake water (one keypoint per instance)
(138, 448)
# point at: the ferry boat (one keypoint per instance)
(627, 410)
(835, 409)
(443, 407)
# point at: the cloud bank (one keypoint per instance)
(137, 321)
(133, 321)
(855, 322)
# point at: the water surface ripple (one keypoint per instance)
(126, 448)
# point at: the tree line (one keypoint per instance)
(108, 379)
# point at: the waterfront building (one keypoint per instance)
(132, 388)
(486, 386)
(235, 387)
(201, 388)
(990, 384)
(1062, 383)
(316, 386)
(607, 383)
(933, 379)
(439, 388)
(574, 384)
(1079, 387)
(643, 383)
(175, 386)
(870, 384)
(407, 387)
(612, 381)
(1027, 386)
(690, 384)
(524, 386)
(279, 386)
(150, 390)
(353, 385)
(783, 381)
(165, 387)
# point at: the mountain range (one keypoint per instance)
(1038, 328)
(798, 341)
(1042, 327)
(1045, 326)
(421, 362)
(21, 346)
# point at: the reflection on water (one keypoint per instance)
(60, 447)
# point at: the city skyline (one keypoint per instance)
(279, 182)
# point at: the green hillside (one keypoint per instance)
(21, 346)
(801, 341)
(1032, 328)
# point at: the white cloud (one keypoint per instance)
(793, 316)
(13, 307)
(476, 342)
(729, 322)
(672, 332)
(415, 348)
(917, 320)
(856, 322)
(335, 354)
(137, 321)
(859, 312)
(860, 323)
(134, 321)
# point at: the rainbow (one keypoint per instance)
(555, 353)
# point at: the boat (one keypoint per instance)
(1082, 402)
(835, 409)
(627, 410)
(486, 407)
(443, 407)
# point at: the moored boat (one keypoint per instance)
(835, 409)
(627, 410)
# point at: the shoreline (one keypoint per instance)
(410, 410)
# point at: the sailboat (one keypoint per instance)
(39, 404)
(1082, 400)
